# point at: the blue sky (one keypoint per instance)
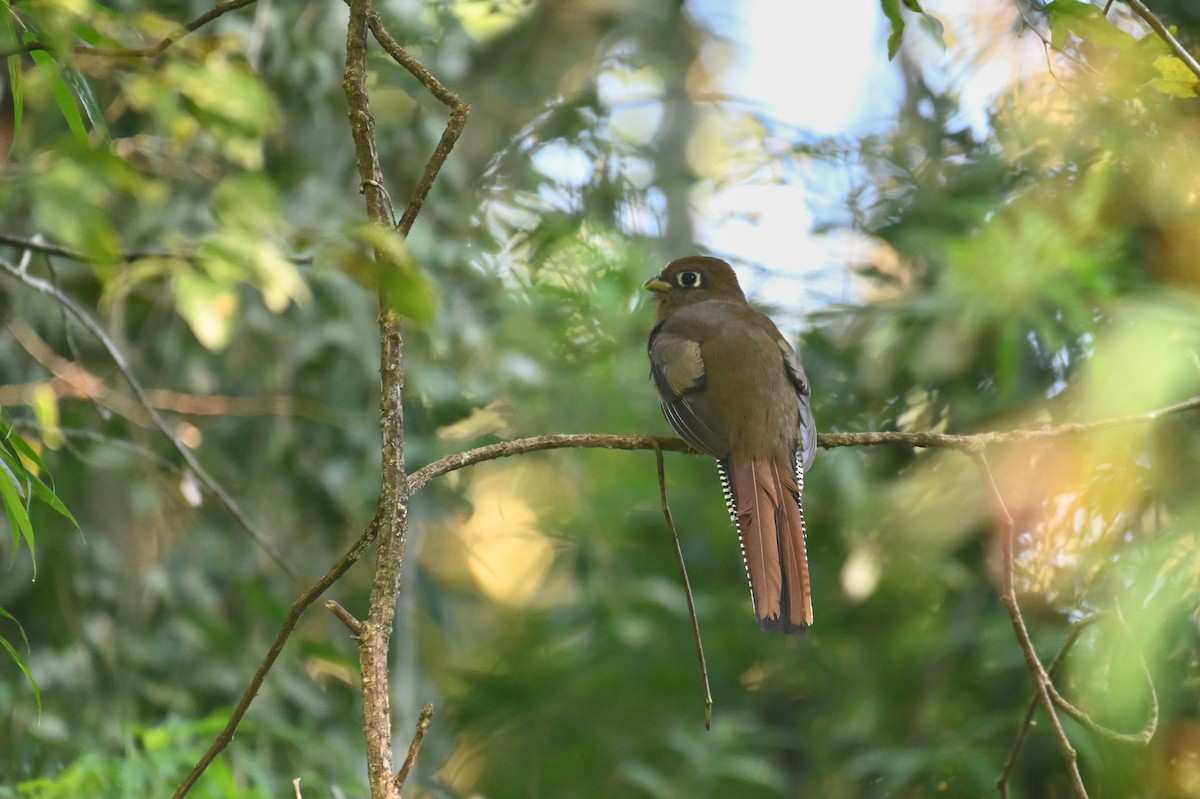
(821, 68)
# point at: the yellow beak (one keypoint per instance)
(657, 285)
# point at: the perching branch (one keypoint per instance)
(964, 442)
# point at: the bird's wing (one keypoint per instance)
(677, 366)
(808, 428)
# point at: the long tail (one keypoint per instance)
(764, 499)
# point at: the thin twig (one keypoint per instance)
(285, 631)
(346, 617)
(414, 747)
(1027, 723)
(38, 245)
(454, 128)
(69, 433)
(687, 586)
(118, 359)
(418, 71)
(1008, 596)
(73, 380)
(1165, 34)
(173, 37)
(1142, 736)
(1047, 45)
(458, 121)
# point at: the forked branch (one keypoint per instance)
(1008, 596)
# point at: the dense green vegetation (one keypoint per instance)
(1026, 261)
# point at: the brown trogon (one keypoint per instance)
(733, 388)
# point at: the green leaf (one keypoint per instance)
(1086, 22)
(934, 27)
(224, 95)
(20, 447)
(8, 41)
(14, 451)
(208, 305)
(891, 10)
(77, 188)
(402, 285)
(82, 92)
(14, 504)
(16, 656)
(64, 96)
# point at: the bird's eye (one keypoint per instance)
(688, 279)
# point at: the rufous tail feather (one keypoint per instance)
(764, 499)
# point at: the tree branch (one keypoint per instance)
(285, 631)
(39, 245)
(345, 617)
(421, 478)
(1008, 596)
(73, 380)
(1165, 34)
(158, 47)
(1142, 736)
(392, 511)
(414, 748)
(1027, 723)
(454, 128)
(965, 442)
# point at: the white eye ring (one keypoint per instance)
(688, 279)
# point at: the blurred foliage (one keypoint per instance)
(1035, 266)
(22, 482)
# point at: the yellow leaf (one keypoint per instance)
(209, 307)
(45, 408)
(1177, 80)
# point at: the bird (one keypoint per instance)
(734, 389)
